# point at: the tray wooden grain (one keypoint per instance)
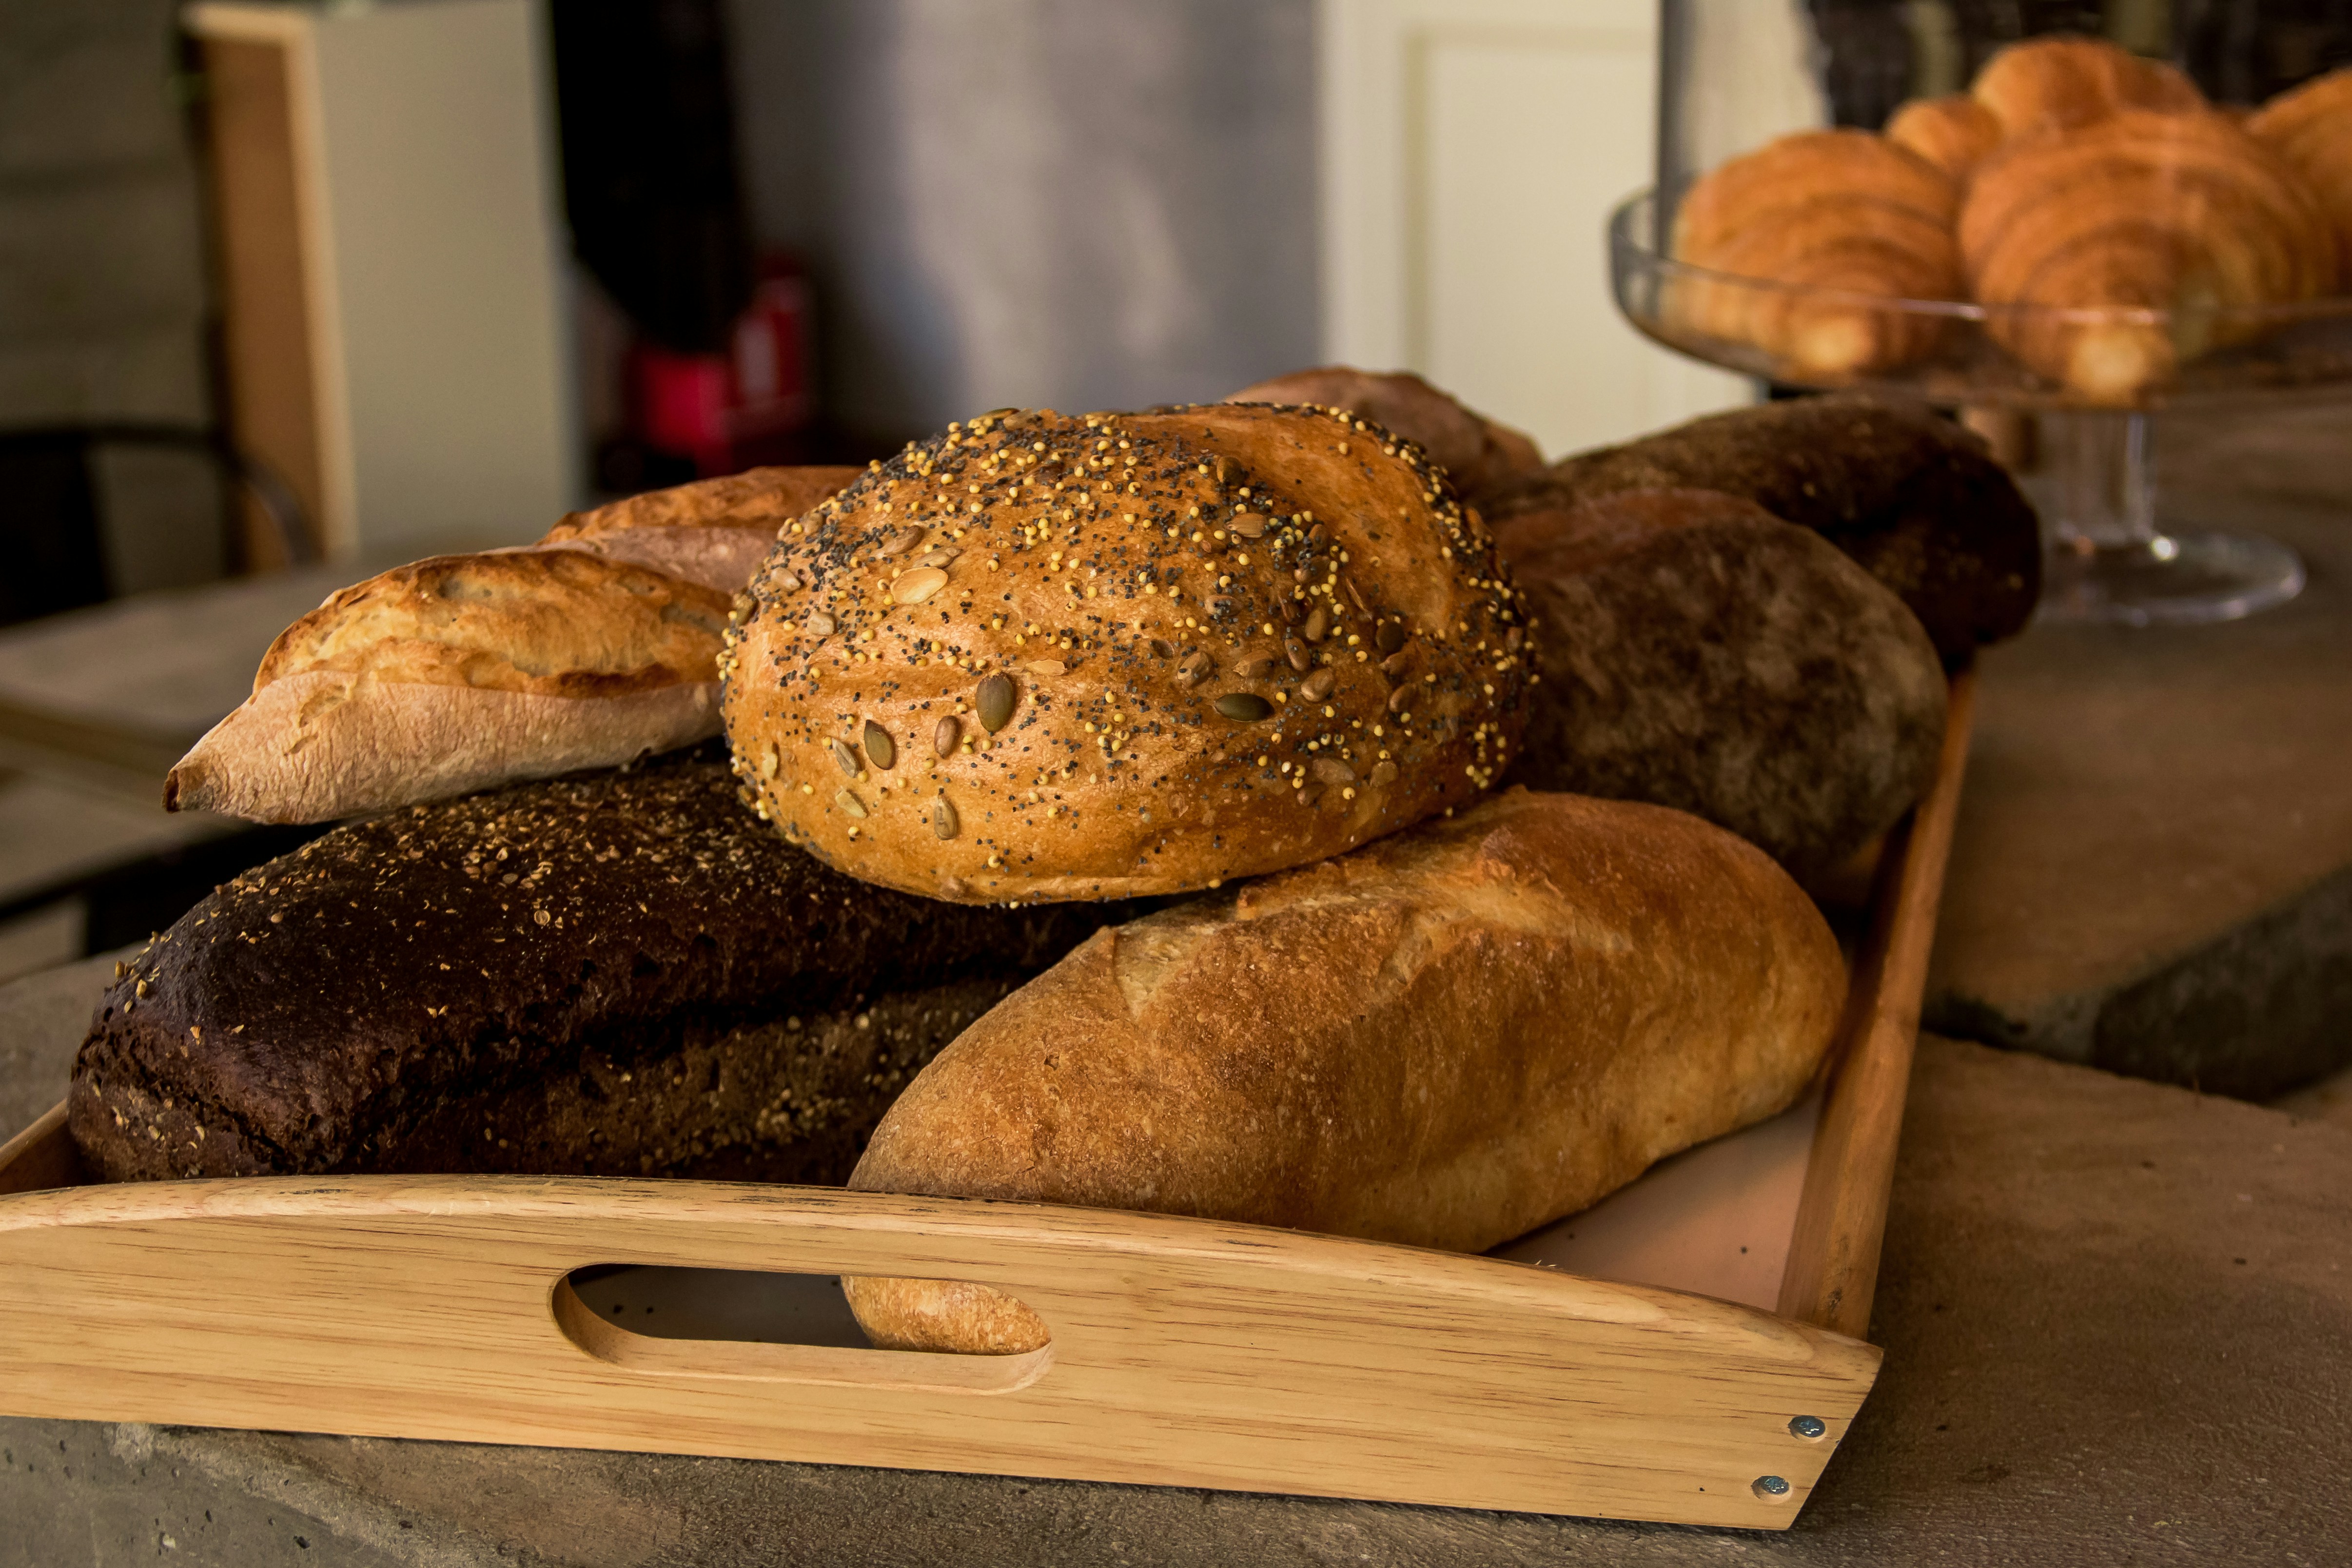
(1186, 1352)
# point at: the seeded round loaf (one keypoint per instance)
(1045, 657)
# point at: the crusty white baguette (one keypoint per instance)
(1447, 1038)
(456, 673)
(596, 645)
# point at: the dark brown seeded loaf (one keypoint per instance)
(1918, 502)
(622, 972)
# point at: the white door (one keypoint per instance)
(1471, 150)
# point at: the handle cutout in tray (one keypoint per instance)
(759, 1325)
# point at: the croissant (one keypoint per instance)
(2059, 83)
(2139, 213)
(1826, 220)
(2311, 128)
(1954, 133)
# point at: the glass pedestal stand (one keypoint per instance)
(2107, 560)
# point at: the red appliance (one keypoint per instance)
(727, 412)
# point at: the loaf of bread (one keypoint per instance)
(1796, 239)
(1444, 1039)
(1698, 652)
(620, 974)
(596, 645)
(1916, 500)
(1477, 454)
(2160, 235)
(1050, 657)
(2311, 129)
(714, 532)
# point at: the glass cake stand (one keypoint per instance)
(1734, 74)
(2109, 558)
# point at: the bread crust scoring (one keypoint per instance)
(1045, 657)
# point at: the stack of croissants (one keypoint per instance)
(2114, 222)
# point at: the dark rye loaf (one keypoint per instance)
(622, 973)
(1699, 652)
(1915, 500)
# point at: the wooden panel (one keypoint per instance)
(1185, 1353)
(1471, 150)
(1833, 1270)
(268, 314)
(42, 1156)
(440, 196)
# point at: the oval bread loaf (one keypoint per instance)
(1446, 1039)
(1916, 500)
(714, 532)
(1477, 454)
(1043, 657)
(1698, 652)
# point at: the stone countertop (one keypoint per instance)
(2152, 872)
(2113, 1312)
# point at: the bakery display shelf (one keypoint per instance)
(1184, 1352)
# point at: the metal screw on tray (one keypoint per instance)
(1770, 1487)
(1807, 1426)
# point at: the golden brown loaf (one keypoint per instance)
(1444, 1039)
(1953, 132)
(2311, 128)
(2059, 83)
(596, 645)
(1048, 657)
(1476, 453)
(460, 672)
(1826, 219)
(2138, 212)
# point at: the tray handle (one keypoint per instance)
(759, 1361)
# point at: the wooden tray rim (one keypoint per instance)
(1823, 1309)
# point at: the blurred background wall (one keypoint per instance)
(102, 288)
(960, 205)
(1080, 203)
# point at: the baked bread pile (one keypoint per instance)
(2116, 225)
(1258, 659)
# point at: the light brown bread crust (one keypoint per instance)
(715, 532)
(558, 623)
(1476, 452)
(456, 673)
(756, 498)
(1052, 658)
(596, 645)
(1444, 1039)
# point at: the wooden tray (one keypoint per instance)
(1185, 1353)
